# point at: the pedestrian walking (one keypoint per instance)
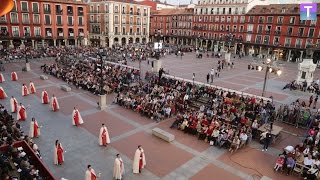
(310, 100)
(315, 102)
(212, 74)
(208, 78)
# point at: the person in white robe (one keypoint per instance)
(76, 117)
(34, 128)
(104, 137)
(90, 174)
(118, 168)
(13, 104)
(139, 160)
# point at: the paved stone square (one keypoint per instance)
(184, 158)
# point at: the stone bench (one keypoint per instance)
(65, 87)
(162, 134)
(43, 77)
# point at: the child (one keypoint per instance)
(279, 163)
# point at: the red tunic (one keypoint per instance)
(15, 105)
(76, 118)
(93, 176)
(104, 137)
(141, 161)
(25, 90)
(60, 154)
(32, 89)
(45, 98)
(22, 114)
(55, 107)
(2, 95)
(35, 130)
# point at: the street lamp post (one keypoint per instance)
(103, 97)
(270, 69)
(28, 68)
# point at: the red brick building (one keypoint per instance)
(172, 26)
(39, 23)
(277, 31)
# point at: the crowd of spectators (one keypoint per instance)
(15, 162)
(312, 88)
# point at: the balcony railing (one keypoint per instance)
(117, 33)
(298, 45)
(16, 35)
(59, 23)
(35, 10)
(96, 32)
(80, 13)
(14, 22)
(27, 35)
(60, 34)
(24, 10)
(3, 21)
(59, 11)
(287, 44)
(277, 32)
(71, 34)
(36, 22)
(144, 14)
(47, 11)
(81, 34)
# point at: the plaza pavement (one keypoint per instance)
(185, 158)
(239, 78)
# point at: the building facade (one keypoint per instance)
(277, 31)
(172, 26)
(118, 22)
(38, 23)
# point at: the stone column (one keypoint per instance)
(192, 42)
(32, 43)
(196, 42)
(301, 54)
(289, 55)
(55, 42)
(212, 45)
(242, 49)
(201, 43)
(207, 44)
(42, 42)
(260, 50)
(235, 48)
(36, 44)
(22, 46)
(268, 52)
(223, 46)
(66, 42)
(11, 44)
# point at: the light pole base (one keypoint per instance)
(28, 68)
(103, 102)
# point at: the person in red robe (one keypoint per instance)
(54, 104)
(44, 97)
(32, 88)
(13, 104)
(21, 115)
(24, 90)
(139, 160)
(34, 128)
(76, 117)
(14, 76)
(90, 174)
(58, 153)
(3, 94)
(2, 78)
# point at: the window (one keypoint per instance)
(106, 8)
(98, 19)
(259, 30)
(311, 32)
(251, 19)
(116, 9)
(266, 39)
(217, 19)
(242, 19)
(300, 32)
(24, 6)
(287, 42)
(35, 7)
(3, 19)
(241, 29)
(15, 31)
(116, 19)
(258, 39)
(298, 43)
(47, 19)
(70, 20)
(46, 8)
(59, 20)
(269, 19)
(37, 31)
(25, 19)
(292, 20)
(313, 22)
(26, 31)
(280, 20)
(80, 20)
(235, 19)
(289, 31)
(36, 19)
(261, 19)
(14, 18)
(250, 28)
(276, 40)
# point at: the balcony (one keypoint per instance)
(36, 22)
(80, 24)
(27, 35)
(24, 10)
(276, 43)
(258, 42)
(47, 23)
(35, 11)
(70, 23)
(138, 13)
(37, 36)
(71, 34)
(60, 34)
(259, 31)
(59, 23)
(81, 34)
(49, 35)
(14, 21)
(116, 22)
(287, 44)
(144, 14)
(47, 11)
(96, 32)
(298, 45)
(280, 22)
(116, 33)
(59, 11)
(268, 32)
(124, 33)
(124, 12)
(260, 21)
(16, 34)
(266, 42)
(277, 32)
(300, 34)
(3, 21)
